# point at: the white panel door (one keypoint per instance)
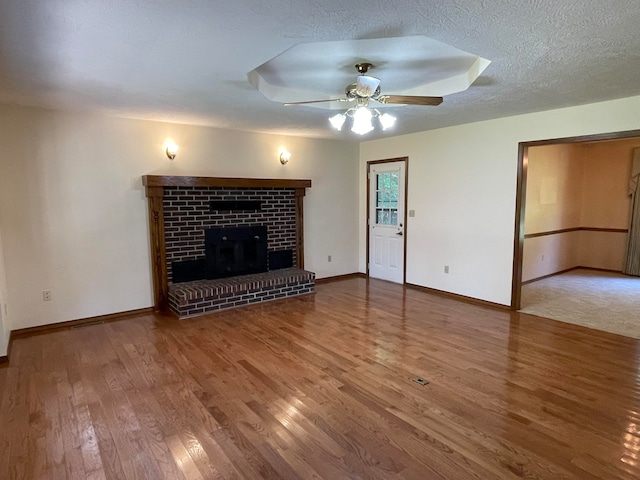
(386, 221)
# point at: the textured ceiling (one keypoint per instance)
(187, 61)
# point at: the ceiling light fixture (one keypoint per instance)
(362, 119)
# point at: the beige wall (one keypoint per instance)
(74, 215)
(607, 204)
(606, 179)
(554, 189)
(605, 250)
(550, 254)
(577, 185)
(553, 202)
(462, 185)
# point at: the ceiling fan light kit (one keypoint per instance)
(415, 68)
(367, 88)
(362, 119)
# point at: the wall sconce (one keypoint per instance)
(284, 157)
(171, 150)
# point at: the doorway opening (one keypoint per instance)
(547, 194)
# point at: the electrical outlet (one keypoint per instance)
(542, 257)
(446, 269)
(46, 295)
(329, 258)
(412, 213)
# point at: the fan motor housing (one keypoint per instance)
(351, 91)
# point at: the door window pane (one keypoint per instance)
(387, 198)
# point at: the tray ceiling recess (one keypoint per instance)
(412, 66)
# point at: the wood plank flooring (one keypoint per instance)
(320, 387)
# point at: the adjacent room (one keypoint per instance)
(577, 216)
(245, 240)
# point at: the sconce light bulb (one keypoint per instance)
(172, 150)
(284, 157)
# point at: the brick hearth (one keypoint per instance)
(196, 298)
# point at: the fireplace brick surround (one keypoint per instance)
(187, 214)
(179, 212)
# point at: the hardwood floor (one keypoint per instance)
(321, 387)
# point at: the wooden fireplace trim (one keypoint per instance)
(154, 188)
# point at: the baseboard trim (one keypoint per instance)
(601, 269)
(569, 270)
(548, 276)
(460, 298)
(336, 278)
(52, 327)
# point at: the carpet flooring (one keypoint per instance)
(600, 300)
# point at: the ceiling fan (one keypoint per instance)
(367, 88)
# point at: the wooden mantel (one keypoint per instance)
(154, 187)
(176, 181)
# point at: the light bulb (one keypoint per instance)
(386, 120)
(171, 150)
(362, 121)
(337, 121)
(284, 157)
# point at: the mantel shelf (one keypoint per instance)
(185, 181)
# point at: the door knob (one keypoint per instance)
(399, 233)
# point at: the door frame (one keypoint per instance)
(404, 220)
(521, 199)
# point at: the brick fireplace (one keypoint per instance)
(188, 211)
(185, 213)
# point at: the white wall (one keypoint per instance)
(462, 185)
(74, 214)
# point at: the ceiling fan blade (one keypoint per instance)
(288, 104)
(408, 100)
